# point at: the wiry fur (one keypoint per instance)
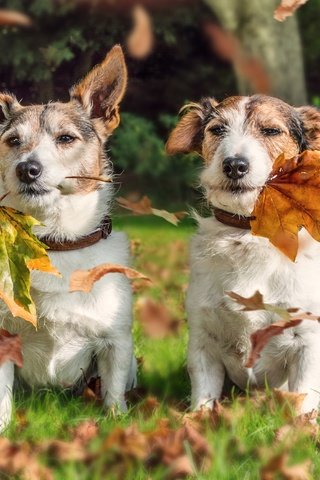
(226, 259)
(75, 329)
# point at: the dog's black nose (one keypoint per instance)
(28, 171)
(235, 167)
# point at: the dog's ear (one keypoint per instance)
(101, 91)
(8, 106)
(310, 117)
(187, 136)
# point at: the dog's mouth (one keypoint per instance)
(33, 190)
(238, 189)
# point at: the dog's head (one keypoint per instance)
(41, 145)
(239, 139)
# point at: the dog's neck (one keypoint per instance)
(232, 219)
(74, 216)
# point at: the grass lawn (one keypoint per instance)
(241, 440)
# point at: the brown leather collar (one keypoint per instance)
(232, 219)
(103, 231)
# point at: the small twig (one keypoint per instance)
(4, 196)
(98, 179)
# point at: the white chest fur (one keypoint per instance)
(73, 326)
(227, 259)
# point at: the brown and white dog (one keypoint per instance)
(40, 146)
(239, 139)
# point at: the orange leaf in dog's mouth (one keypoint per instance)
(289, 201)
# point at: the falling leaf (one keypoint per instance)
(140, 41)
(287, 8)
(229, 48)
(10, 348)
(20, 252)
(144, 207)
(155, 319)
(289, 201)
(261, 337)
(83, 280)
(14, 18)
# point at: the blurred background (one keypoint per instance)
(176, 51)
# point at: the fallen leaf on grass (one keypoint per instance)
(287, 8)
(148, 407)
(85, 431)
(278, 465)
(83, 280)
(20, 252)
(14, 18)
(144, 207)
(10, 348)
(289, 201)
(140, 41)
(18, 459)
(155, 319)
(290, 402)
(299, 425)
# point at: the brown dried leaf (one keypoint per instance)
(140, 41)
(261, 337)
(290, 402)
(229, 48)
(10, 348)
(19, 459)
(13, 18)
(83, 280)
(144, 207)
(250, 303)
(278, 464)
(289, 201)
(85, 431)
(127, 443)
(62, 451)
(287, 8)
(155, 319)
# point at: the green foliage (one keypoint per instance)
(138, 149)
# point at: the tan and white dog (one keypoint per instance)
(40, 146)
(239, 139)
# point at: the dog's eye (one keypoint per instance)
(13, 141)
(271, 132)
(218, 130)
(65, 139)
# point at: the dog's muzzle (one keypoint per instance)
(29, 171)
(235, 167)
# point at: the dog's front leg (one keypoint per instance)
(114, 366)
(6, 385)
(206, 371)
(304, 373)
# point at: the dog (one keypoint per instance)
(40, 146)
(239, 138)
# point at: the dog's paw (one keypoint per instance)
(117, 407)
(203, 403)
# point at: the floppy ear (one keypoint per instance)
(8, 106)
(101, 91)
(187, 136)
(310, 117)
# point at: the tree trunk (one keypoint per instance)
(277, 45)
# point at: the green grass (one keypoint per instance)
(240, 444)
